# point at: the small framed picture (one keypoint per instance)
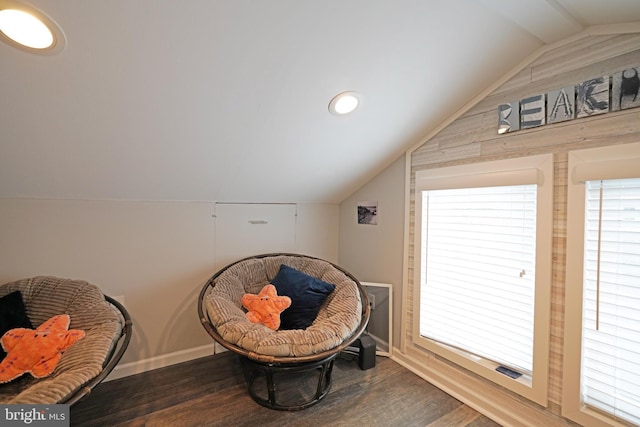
(368, 213)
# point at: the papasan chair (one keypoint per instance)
(107, 331)
(294, 349)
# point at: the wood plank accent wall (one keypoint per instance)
(473, 137)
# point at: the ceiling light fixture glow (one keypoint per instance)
(344, 103)
(28, 29)
(25, 29)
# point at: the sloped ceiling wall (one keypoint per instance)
(227, 100)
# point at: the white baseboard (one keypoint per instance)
(162, 361)
(218, 348)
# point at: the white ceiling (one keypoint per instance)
(227, 100)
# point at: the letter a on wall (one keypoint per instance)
(561, 104)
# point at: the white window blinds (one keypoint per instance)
(478, 271)
(610, 375)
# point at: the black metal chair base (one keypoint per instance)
(273, 398)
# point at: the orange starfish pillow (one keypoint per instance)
(37, 351)
(266, 306)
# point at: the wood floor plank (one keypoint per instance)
(461, 416)
(211, 391)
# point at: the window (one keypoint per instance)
(483, 269)
(602, 333)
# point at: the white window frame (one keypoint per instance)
(524, 170)
(612, 162)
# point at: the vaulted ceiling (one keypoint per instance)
(218, 100)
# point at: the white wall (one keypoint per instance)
(156, 254)
(374, 253)
(317, 228)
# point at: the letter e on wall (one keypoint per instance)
(532, 111)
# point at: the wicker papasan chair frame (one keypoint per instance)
(268, 365)
(84, 365)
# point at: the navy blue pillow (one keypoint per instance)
(13, 314)
(307, 295)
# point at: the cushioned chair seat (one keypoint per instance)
(84, 362)
(338, 318)
(270, 354)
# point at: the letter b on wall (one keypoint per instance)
(508, 117)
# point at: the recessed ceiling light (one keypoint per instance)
(344, 103)
(29, 29)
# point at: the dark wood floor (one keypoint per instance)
(212, 392)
